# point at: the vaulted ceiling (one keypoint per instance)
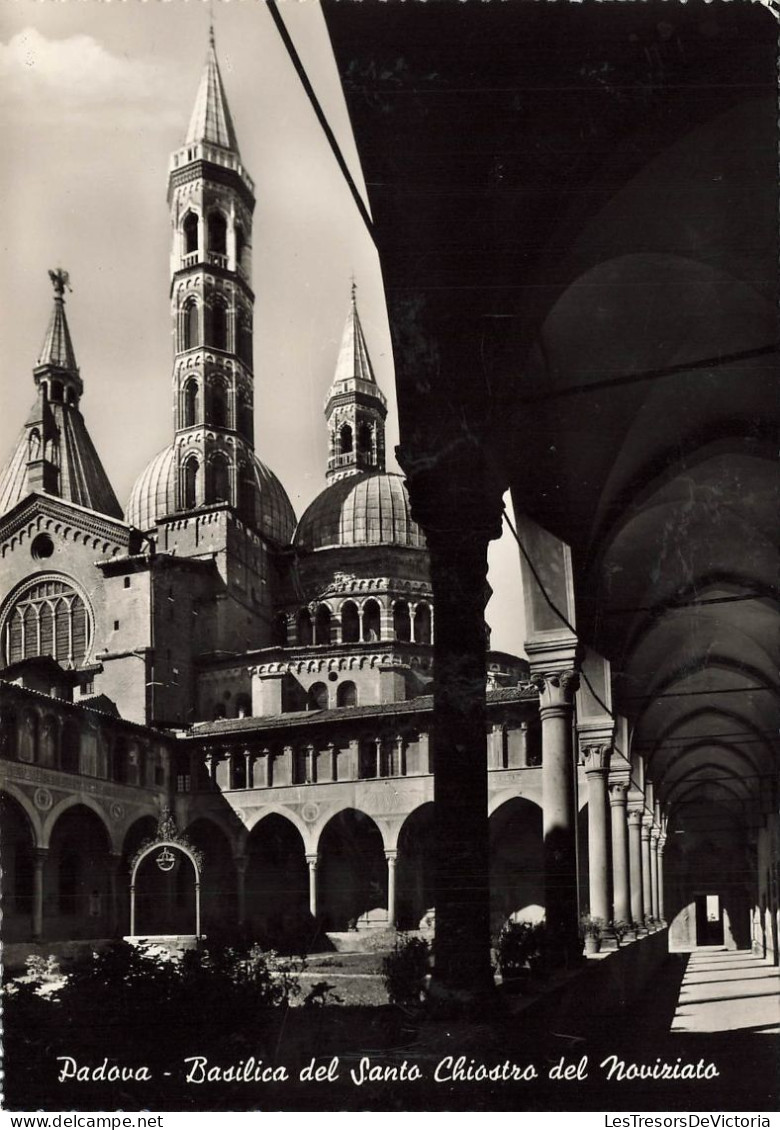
(576, 214)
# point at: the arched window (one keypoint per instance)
(533, 743)
(402, 622)
(304, 627)
(350, 623)
(220, 480)
(245, 416)
(345, 439)
(242, 250)
(219, 325)
(367, 759)
(190, 326)
(70, 747)
(218, 414)
(365, 437)
(243, 706)
(280, 630)
(9, 735)
(47, 618)
(246, 497)
(121, 759)
(237, 771)
(190, 228)
(422, 624)
(372, 621)
(190, 404)
(244, 338)
(317, 697)
(28, 744)
(56, 390)
(191, 469)
(346, 695)
(217, 227)
(322, 625)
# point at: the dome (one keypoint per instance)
(154, 496)
(365, 509)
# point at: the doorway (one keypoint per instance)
(709, 920)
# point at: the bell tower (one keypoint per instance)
(356, 408)
(211, 200)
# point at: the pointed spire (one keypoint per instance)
(57, 349)
(211, 121)
(354, 363)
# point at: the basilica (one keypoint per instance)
(221, 716)
(203, 652)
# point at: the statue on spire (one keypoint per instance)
(60, 280)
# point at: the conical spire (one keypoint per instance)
(355, 408)
(211, 121)
(354, 363)
(55, 454)
(57, 347)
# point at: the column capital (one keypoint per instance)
(595, 757)
(312, 858)
(655, 835)
(647, 823)
(556, 688)
(41, 854)
(635, 814)
(241, 863)
(391, 854)
(618, 793)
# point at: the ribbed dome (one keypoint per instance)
(154, 496)
(367, 509)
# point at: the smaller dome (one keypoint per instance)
(154, 496)
(363, 509)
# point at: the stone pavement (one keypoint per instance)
(726, 991)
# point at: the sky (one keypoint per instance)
(94, 97)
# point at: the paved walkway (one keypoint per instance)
(728, 991)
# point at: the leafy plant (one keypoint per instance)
(405, 969)
(591, 927)
(521, 948)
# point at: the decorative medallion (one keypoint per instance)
(310, 812)
(43, 799)
(117, 811)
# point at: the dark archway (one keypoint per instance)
(372, 620)
(218, 881)
(17, 843)
(516, 862)
(415, 878)
(277, 884)
(350, 623)
(78, 871)
(352, 873)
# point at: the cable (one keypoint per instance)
(557, 612)
(320, 113)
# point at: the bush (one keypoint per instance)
(405, 969)
(521, 949)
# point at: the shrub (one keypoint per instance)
(520, 949)
(591, 927)
(405, 969)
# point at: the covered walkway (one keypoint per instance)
(728, 991)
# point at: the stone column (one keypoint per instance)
(556, 698)
(268, 769)
(458, 558)
(654, 834)
(113, 864)
(647, 878)
(391, 857)
(241, 862)
(248, 769)
(312, 862)
(618, 794)
(635, 859)
(596, 763)
(661, 850)
(40, 858)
